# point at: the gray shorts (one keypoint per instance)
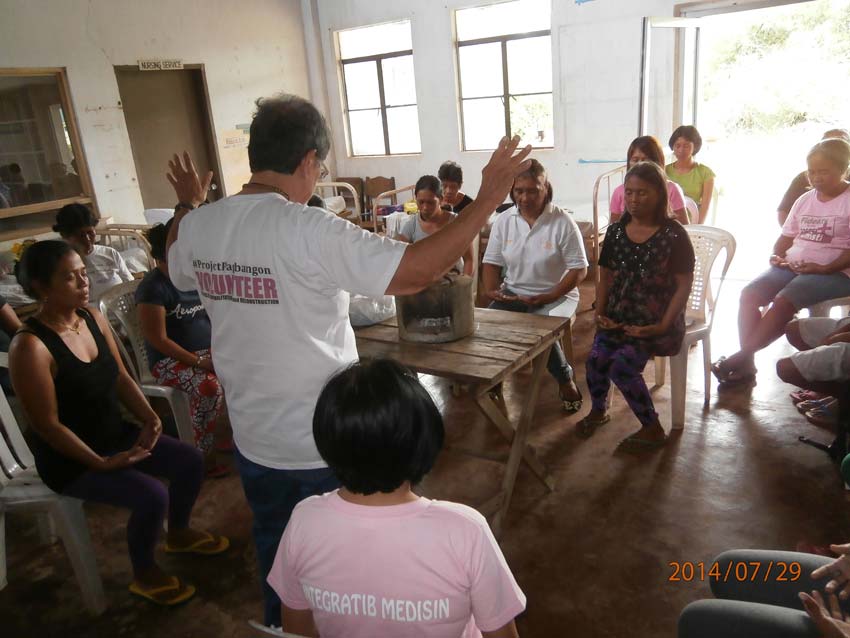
(815, 329)
(824, 363)
(802, 291)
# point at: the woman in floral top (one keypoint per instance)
(647, 264)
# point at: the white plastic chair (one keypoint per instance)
(822, 309)
(708, 242)
(691, 208)
(22, 489)
(119, 303)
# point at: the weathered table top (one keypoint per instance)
(502, 343)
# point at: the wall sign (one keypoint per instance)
(160, 65)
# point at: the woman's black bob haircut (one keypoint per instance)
(376, 427)
(38, 264)
(156, 237)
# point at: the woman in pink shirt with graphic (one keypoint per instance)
(810, 263)
(647, 148)
(372, 558)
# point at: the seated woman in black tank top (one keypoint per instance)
(69, 377)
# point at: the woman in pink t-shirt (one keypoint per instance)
(646, 148)
(373, 558)
(810, 263)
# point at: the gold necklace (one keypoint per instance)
(75, 328)
(268, 186)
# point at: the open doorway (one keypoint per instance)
(167, 112)
(769, 83)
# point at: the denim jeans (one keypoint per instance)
(557, 364)
(272, 495)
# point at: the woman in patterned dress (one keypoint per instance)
(647, 266)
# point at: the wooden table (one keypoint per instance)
(503, 342)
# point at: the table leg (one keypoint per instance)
(518, 446)
(496, 411)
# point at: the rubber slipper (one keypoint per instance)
(634, 444)
(182, 592)
(586, 426)
(571, 407)
(736, 380)
(717, 369)
(814, 404)
(202, 546)
(798, 396)
(823, 417)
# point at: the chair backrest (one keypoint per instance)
(357, 184)
(692, 209)
(348, 193)
(614, 175)
(123, 238)
(119, 303)
(373, 187)
(708, 242)
(15, 454)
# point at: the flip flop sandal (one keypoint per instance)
(571, 406)
(823, 417)
(182, 592)
(737, 380)
(634, 444)
(814, 404)
(202, 546)
(717, 369)
(798, 396)
(586, 427)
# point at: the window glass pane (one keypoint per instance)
(530, 65)
(403, 129)
(380, 38)
(531, 119)
(361, 85)
(481, 70)
(37, 162)
(483, 123)
(367, 132)
(399, 83)
(504, 18)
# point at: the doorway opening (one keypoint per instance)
(768, 83)
(167, 112)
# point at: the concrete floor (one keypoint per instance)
(593, 557)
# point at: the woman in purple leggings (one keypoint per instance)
(69, 377)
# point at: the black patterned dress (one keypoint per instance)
(644, 281)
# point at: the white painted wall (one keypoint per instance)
(596, 62)
(249, 48)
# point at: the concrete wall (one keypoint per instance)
(248, 48)
(596, 49)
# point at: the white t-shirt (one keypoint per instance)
(536, 258)
(273, 277)
(105, 268)
(429, 569)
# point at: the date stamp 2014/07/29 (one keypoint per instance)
(735, 571)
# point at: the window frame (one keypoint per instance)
(506, 95)
(88, 198)
(378, 59)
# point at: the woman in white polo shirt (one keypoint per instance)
(540, 249)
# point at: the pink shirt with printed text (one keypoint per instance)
(430, 569)
(675, 197)
(821, 230)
